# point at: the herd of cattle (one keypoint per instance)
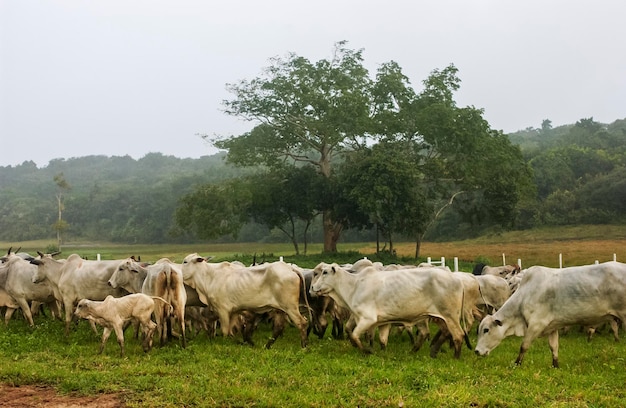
(359, 297)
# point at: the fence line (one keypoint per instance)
(442, 262)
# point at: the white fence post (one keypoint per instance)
(429, 261)
(560, 261)
(98, 257)
(614, 257)
(519, 262)
(443, 261)
(503, 259)
(456, 264)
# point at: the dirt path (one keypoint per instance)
(28, 396)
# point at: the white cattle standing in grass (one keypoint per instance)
(113, 313)
(549, 299)
(20, 287)
(77, 279)
(165, 280)
(231, 289)
(404, 296)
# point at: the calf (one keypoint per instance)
(112, 313)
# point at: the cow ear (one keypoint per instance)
(498, 322)
(333, 269)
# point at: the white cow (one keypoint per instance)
(165, 280)
(549, 299)
(230, 289)
(77, 279)
(19, 285)
(404, 296)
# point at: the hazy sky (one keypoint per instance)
(127, 77)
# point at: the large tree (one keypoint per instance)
(317, 112)
(305, 112)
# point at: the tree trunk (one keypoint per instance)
(418, 244)
(332, 232)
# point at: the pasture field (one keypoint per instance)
(328, 373)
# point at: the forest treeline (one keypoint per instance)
(578, 170)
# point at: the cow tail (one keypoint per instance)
(487, 305)
(303, 292)
(164, 301)
(464, 323)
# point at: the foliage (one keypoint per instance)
(112, 198)
(318, 113)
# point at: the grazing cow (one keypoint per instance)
(404, 296)
(113, 313)
(77, 279)
(502, 271)
(549, 299)
(231, 289)
(19, 285)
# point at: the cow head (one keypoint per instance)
(83, 310)
(323, 277)
(491, 332)
(129, 275)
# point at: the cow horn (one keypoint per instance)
(9, 251)
(40, 253)
(55, 253)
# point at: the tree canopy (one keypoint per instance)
(319, 112)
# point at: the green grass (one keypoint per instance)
(221, 372)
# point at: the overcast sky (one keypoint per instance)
(127, 77)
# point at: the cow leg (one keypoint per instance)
(614, 329)
(278, 327)
(526, 342)
(119, 333)
(8, 314)
(160, 323)
(105, 336)
(180, 316)
(301, 324)
(362, 326)
(321, 324)
(54, 309)
(409, 331)
(26, 311)
(337, 329)
(383, 335)
(553, 341)
(423, 333)
(68, 305)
